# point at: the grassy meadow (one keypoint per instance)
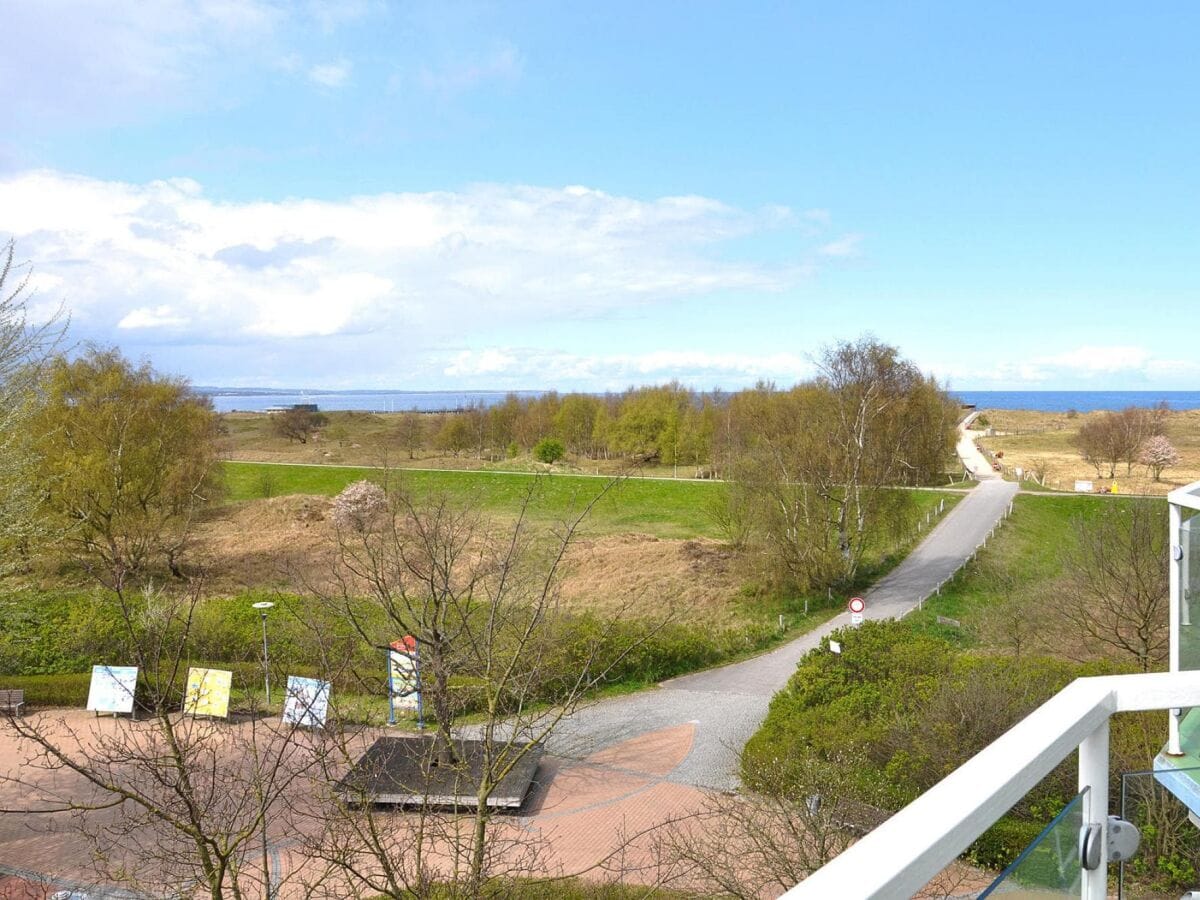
(1005, 598)
(1045, 440)
(664, 508)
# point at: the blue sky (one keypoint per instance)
(585, 196)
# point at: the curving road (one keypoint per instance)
(726, 705)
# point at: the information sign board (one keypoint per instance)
(112, 689)
(207, 692)
(307, 701)
(403, 679)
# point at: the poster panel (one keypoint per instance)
(402, 673)
(112, 689)
(207, 692)
(307, 701)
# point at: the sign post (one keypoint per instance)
(857, 605)
(404, 678)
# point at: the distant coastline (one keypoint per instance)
(1080, 401)
(259, 399)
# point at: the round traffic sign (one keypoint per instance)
(857, 604)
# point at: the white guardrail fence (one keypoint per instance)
(904, 853)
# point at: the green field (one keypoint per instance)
(1018, 564)
(664, 508)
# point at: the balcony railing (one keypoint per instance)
(908, 850)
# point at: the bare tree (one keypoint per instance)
(1014, 621)
(25, 344)
(1116, 437)
(298, 424)
(493, 638)
(761, 844)
(411, 432)
(1113, 590)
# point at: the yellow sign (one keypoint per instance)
(207, 692)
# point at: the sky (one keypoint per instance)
(588, 196)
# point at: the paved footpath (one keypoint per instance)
(726, 705)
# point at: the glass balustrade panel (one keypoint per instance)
(1048, 867)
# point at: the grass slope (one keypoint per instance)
(1021, 560)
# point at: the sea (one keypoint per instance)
(258, 400)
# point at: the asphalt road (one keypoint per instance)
(728, 704)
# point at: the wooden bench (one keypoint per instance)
(11, 701)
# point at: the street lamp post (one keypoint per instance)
(262, 608)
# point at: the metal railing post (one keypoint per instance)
(1174, 615)
(1093, 777)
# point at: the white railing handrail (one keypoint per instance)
(904, 853)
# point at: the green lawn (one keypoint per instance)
(667, 509)
(662, 507)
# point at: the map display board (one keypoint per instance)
(307, 701)
(112, 689)
(207, 692)
(402, 674)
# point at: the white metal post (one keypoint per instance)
(1175, 604)
(1093, 775)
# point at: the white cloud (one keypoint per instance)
(330, 75)
(700, 369)
(1094, 360)
(843, 247)
(1082, 366)
(425, 268)
(104, 59)
(158, 317)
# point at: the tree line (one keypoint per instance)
(674, 425)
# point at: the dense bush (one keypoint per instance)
(905, 709)
(549, 450)
(68, 689)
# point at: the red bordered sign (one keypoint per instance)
(857, 604)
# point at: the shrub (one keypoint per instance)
(51, 690)
(1001, 844)
(549, 450)
(358, 506)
